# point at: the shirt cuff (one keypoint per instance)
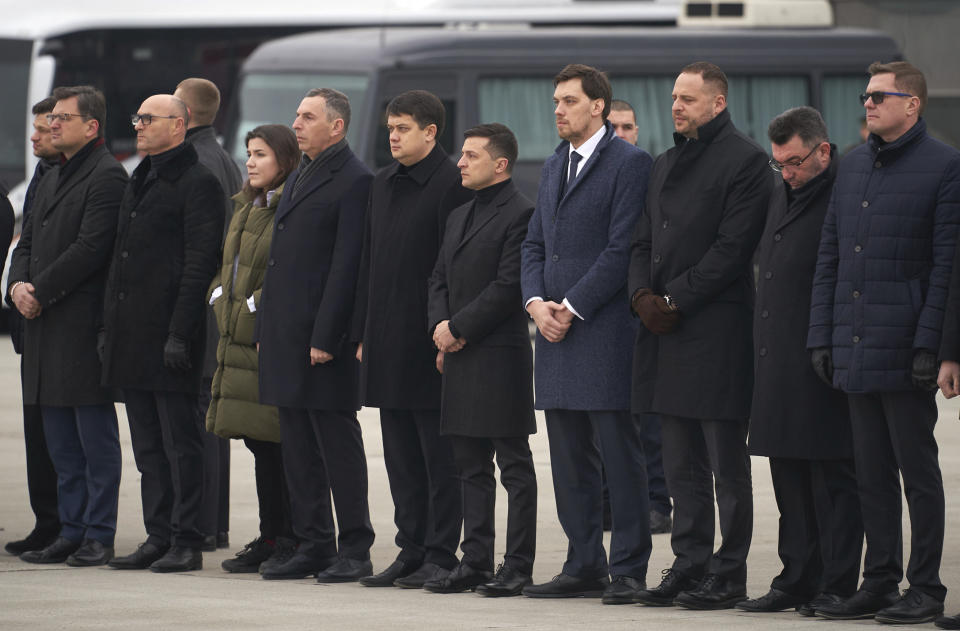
(566, 303)
(532, 299)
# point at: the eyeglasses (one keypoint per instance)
(793, 164)
(63, 117)
(877, 97)
(146, 119)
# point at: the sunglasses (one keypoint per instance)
(877, 97)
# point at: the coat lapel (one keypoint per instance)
(75, 180)
(323, 175)
(592, 160)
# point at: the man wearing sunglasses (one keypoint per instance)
(878, 300)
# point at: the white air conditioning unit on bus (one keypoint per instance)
(756, 13)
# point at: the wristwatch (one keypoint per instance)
(670, 303)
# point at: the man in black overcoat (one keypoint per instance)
(203, 102)
(691, 283)
(166, 253)
(307, 364)
(409, 204)
(480, 330)
(57, 278)
(797, 421)
(41, 476)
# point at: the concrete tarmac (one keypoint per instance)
(59, 597)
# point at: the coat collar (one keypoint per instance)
(182, 158)
(563, 152)
(893, 150)
(422, 171)
(493, 209)
(319, 177)
(706, 133)
(86, 161)
(797, 202)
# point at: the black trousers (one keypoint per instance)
(652, 452)
(215, 510)
(821, 532)
(168, 448)
(581, 445)
(424, 485)
(272, 495)
(41, 476)
(893, 438)
(699, 455)
(323, 452)
(474, 459)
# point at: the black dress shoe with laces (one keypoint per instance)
(622, 590)
(90, 554)
(283, 551)
(397, 569)
(506, 582)
(36, 540)
(462, 578)
(56, 552)
(772, 601)
(566, 586)
(345, 571)
(863, 604)
(809, 609)
(948, 622)
(714, 592)
(248, 560)
(425, 573)
(297, 566)
(914, 607)
(670, 586)
(144, 556)
(179, 559)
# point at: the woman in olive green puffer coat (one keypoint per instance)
(235, 411)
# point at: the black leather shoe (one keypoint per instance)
(948, 622)
(248, 560)
(426, 572)
(662, 595)
(297, 566)
(660, 524)
(622, 590)
(283, 552)
(56, 552)
(914, 607)
(34, 541)
(397, 569)
(209, 543)
(506, 582)
(145, 555)
(863, 604)
(179, 559)
(345, 571)
(90, 553)
(714, 592)
(774, 600)
(223, 540)
(461, 579)
(566, 586)
(809, 609)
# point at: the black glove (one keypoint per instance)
(176, 353)
(101, 343)
(822, 360)
(925, 370)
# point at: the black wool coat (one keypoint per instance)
(166, 253)
(488, 384)
(308, 291)
(794, 414)
(406, 216)
(706, 205)
(64, 250)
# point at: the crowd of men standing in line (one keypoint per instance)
(410, 290)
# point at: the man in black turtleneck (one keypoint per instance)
(167, 251)
(57, 278)
(799, 422)
(480, 331)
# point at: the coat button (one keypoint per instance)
(877, 164)
(36, 259)
(555, 258)
(764, 314)
(763, 351)
(124, 254)
(856, 339)
(858, 248)
(665, 224)
(271, 263)
(133, 214)
(121, 296)
(43, 224)
(777, 237)
(864, 203)
(657, 258)
(856, 294)
(768, 275)
(280, 226)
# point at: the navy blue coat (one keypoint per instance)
(884, 262)
(578, 247)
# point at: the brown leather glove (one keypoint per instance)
(654, 312)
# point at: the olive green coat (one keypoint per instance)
(235, 410)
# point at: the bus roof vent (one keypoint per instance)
(754, 13)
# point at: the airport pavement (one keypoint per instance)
(59, 597)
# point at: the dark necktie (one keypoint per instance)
(572, 176)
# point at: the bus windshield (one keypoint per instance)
(15, 79)
(273, 98)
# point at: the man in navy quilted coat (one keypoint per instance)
(875, 323)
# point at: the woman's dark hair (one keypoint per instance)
(283, 142)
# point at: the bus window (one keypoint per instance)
(14, 77)
(755, 101)
(381, 154)
(273, 98)
(524, 105)
(842, 110)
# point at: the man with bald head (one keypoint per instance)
(152, 343)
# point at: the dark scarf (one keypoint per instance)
(308, 167)
(69, 167)
(800, 197)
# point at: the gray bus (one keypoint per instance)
(505, 74)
